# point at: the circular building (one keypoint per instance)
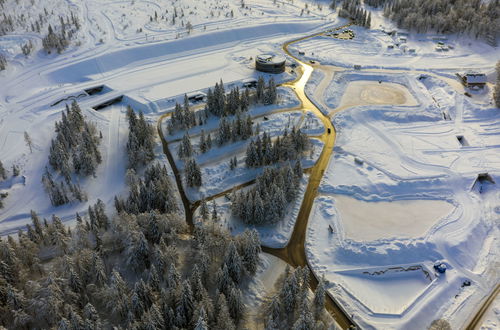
(271, 63)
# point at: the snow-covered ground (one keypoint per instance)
(161, 68)
(399, 195)
(491, 319)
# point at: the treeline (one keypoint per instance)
(182, 117)
(75, 149)
(352, 9)
(476, 18)
(222, 104)
(292, 308)
(140, 145)
(60, 39)
(262, 151)
(129, 272)
(240, 128)
(267, 201)
(57, 29)
(153, 192)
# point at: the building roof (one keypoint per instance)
(475, 78)
(270, 59)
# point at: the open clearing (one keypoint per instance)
(403, 218)
(376, 292)
(367, 92)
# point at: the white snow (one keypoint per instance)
(397, 191)
(491, 319)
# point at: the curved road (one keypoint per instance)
(294, 253)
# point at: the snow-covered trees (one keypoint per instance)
(261, 151)
(233, 130)
(140, 143)
(3, 172)
(496, 92)
(319, 299)
(479, 19)
(205, 142)
(59, 193)
(185, 148)
(128, 274)
(291, 307)
(266, 94)
(60, 40)
(75, 147)
(182, 117)
(3, 62)
(192, 173)
(440, 324)
(153, 192)
(267, 201)
(235, 102)
(352, 9)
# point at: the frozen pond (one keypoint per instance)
(369, 221)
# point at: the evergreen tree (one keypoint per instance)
(185, 147)
(496, 92)
(192, 173)
(3, 173)
(319, 299)
(224, 320)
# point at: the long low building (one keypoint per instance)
(271, 63)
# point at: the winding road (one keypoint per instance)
(294, 253)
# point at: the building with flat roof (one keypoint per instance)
(270, 63)
(471, 79)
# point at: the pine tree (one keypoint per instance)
(235, 303)
(192, 173)
(223, 320)
(319, 299)
(204, 209)
(184, 305)
(233, 261)
(201, 322)
(3, 173)
(261, 89)
(185, 147)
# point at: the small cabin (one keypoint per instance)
(472, 79)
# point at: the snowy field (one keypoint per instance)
(399, 192)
